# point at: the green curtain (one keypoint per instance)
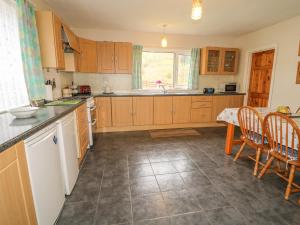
(30, 50)
(137, 67)
(193, 81)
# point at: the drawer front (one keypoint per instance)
(84, 141)
(201, 98)
(197, 105)
(201, 115)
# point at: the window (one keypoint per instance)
(13, 92)
(172, 68)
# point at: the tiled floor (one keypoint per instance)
(131, 178)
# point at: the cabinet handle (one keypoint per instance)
(54, 139)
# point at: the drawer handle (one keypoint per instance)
(94, 122)
(93, 108)
(54, 139)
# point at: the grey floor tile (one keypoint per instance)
(184, 165)
(140, 170)
(78, 213)
(169, 182)
(143, 185)
(163, 168)
(160, 221)
(194, 178)
(148, 206)
(226, 216)
(157, 156)
(214, 201)
(198, 218)
(137, 158)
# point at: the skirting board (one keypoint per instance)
(156, 127)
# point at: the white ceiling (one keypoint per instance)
(220, 17)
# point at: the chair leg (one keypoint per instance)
(258, 153)
(266, 167)
(291, 178)
(239, 152)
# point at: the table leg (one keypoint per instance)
(229, 138)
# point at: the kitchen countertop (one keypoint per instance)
(130, 94)
(14, 130)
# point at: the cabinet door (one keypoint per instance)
(236, 101)
(211, 60)
(103, 112)
(60, 60)
(16, 205)
(106, 57)
(201, 115)
(182, 109)
(72, 38)
(123, 57)
(122, 111)
(82, 130)
(229, 61)
(88, 56)
(163, 110)
(142, 111)
(219, 104)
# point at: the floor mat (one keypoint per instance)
(173, 133)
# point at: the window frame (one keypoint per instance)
(176, 52)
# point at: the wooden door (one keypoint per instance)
(211, 60)
(16, 205)
(60, 60)
(163, 110)
(103, 107)
(123, 57)
(88, 56)
(106, 57)
(142, 111)
(229, 63)
(122, 111)
(260, 78)
(182, 109)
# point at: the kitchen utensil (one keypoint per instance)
(24, 112)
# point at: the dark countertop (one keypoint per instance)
(167, 94)
(14, 130)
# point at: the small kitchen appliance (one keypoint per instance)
(208, 90)
(229, 87)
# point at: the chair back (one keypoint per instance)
(298, 110)
(283, 135)
(251, 124)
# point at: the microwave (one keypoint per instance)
(229, 87)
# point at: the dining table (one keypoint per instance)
(230, 117)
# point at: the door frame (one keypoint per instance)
(249, 66)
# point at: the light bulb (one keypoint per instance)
(164, 42)
(196, 10)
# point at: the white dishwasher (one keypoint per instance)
(68, 151)
(44, 167)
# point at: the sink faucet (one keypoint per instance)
(163, 87)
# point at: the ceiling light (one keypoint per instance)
(196, 10)
(164, 41)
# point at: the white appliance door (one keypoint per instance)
(45, 175)
(68, 152)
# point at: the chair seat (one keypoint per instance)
(257, 138)
(290, 151)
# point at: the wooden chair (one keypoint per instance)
(283, 136)
(251, 124)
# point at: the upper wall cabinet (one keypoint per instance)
(50, 38)
(219, 61)
(114, 57)
(87, 59)
(71, 38)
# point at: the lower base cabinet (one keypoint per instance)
(16, 204)
(142, 111)
(163, 110)
(182, 109)
(82, 130)
(122, 111)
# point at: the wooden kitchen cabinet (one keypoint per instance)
(49, 29)
(123, 57)
(87, 59)
(201, 109)
(82, 130)
(182, 109)
(106, 57)
(103, 108)
(72, 38)
(163, 110)
(122, 111)
(16, 205)
(219, 61)
(114, 57)
(142, 111)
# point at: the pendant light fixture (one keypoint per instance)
(164, 41)
(196, 10)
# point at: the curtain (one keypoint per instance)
(13, 92)
(193, 81)
(137, 67)
(30, 50)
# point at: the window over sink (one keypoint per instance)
(171, 67)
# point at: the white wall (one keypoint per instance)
(285, 37)
(152, 40)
